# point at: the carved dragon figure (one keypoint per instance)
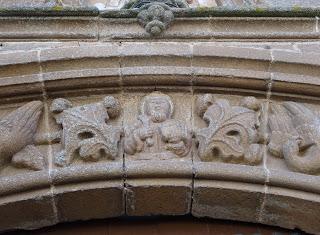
(295, 136)
(17, 135)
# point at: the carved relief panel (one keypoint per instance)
(294, 135)
(18, 136)
(86, 133)
(156, 134)
(232, 133)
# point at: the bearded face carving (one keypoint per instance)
(156, 136)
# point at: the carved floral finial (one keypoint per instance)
(232, 134)
(86, 133)
(155, 18)
(156, 15)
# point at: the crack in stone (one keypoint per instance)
(47, 130)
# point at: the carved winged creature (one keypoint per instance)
(18, 129)
(295, 136)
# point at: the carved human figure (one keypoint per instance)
(86, 134)
(232, 134)
(18, 129)
(156, 135)
(295, 136)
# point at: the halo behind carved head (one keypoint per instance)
(156, 94)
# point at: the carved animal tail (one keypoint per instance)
(25, 119)
(299, 113)
(308, 162)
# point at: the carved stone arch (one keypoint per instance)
(247, 82)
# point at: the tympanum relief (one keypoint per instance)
(156, 135)
(295, 136)
(232, 133)
(18, 130)
(86, 134)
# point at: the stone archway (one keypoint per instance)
(111, 122)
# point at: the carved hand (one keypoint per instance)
(178, 148)
(145, 133)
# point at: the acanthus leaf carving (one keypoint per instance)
(232, 134)
(86, 133)
(156, 136)
(17, 137)
(294, 136)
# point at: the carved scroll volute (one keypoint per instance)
(295, 136)
(232, 134)
(86, 133)
(17, 137)
(156, 135)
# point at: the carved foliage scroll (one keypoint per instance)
(86, 133)
(232, 134)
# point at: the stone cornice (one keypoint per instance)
(60, 11)
(203, 23)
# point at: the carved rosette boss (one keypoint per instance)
(156, 15)
(156, 135)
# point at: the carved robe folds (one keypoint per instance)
(156, 135)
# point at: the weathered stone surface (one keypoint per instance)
(18, 131)
(72, 28)
(242, 76)
(156, 135)
(286, 208)
(227, 200)
(234, 133)
(158, 187)
(86, 201)
(158, 197)
(85, 132)
(294, 136)
(27, 211)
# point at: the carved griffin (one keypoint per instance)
(295, 136)
(232, 134)
(17, 136)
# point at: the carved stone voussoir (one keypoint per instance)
(17, 138)
(86, 133)
(295, 136)
(156, 135)
(232, 133)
